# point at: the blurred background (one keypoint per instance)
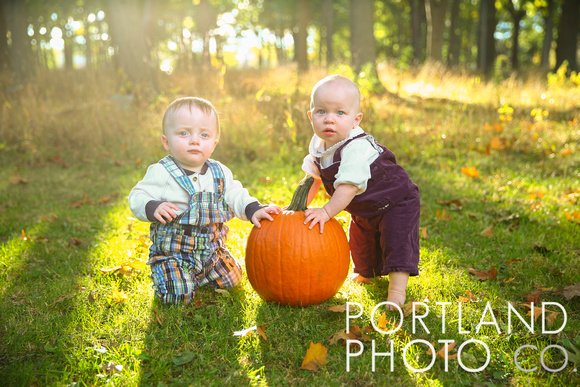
(140, 40)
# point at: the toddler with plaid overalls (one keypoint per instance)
(188, 198)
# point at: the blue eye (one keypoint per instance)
(340, 113)
(204, 135)
(184, 134)
(320, 111)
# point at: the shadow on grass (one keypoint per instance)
(52, 220)
(194, 343)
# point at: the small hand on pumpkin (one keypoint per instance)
(264, 213)
(316, 215)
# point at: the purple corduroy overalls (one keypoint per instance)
(384, 229)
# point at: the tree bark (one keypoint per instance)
(20, 53)
(301, 36)
(548, 35)
(418, 19)
(127, 33)
(485, 39)
(568, 35)
(362, 39)
(454, 36)
(435, 10)
(328, 22)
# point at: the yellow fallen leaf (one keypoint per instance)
(470, 171)
(487, 232)
(316, 357)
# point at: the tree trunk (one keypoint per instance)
(435, 10)
(568, 35)
(4, 54)
(14, 12)
(362, 39)
(301, 36)
(418, 18)
(485, 38)
(548, 35)
(127, 33)
(328, 23)
(454, 36)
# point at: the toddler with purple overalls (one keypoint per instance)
(363, 178)
(188, 198)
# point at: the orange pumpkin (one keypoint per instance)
(289, 264)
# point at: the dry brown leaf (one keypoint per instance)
(456, 202)
(533, 297)
(261, 329)
(75, 242)
(316, 357)
(338, 308)
(571, 291)
(441, 353)
(16, 179)
(484, 274)
(158, 319)
(487, 232)
(463, 299)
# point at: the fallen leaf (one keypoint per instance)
(316, 357)
(442, 215)
(158, 319)
(262, 331)
(551, 317)
(223, 292)
(463, 299)
(183, 358)
(338, 308)
(487, 232)
(75, 242)
(533, 297)
(470, 171)
(117, 297)
(111, 368)
(456, 202)
(484, 274)
(383, 321)
(442, 353)
(423, 232)
(16, 179)
(571, 291)
(409, 306)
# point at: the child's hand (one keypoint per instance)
(165, 211)
(264, 213)
(316, 215)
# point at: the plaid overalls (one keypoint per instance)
(190, 251)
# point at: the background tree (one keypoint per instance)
(547, 11)
(19, 52)
(435, 11)
(418, 28)
(567, 46)
(300, 33)
(485, 39)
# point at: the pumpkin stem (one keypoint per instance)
(300, 197)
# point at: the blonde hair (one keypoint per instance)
(203, 105)
(334, 78)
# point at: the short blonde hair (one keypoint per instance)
(334, 78)
(203, 105)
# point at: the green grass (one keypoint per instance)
(61, 321)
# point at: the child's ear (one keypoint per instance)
(357, 119)
(164, 141)
(309, 112)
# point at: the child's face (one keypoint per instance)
(191, 137)
(335, 112)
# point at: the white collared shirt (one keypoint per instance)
(356, 159)
(158, 184)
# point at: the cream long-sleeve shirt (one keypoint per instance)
(356, 159)
(159, 185)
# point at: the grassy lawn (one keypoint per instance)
(498, 166)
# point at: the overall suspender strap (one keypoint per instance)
(178, 174)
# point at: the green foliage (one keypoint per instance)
(560, 78)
